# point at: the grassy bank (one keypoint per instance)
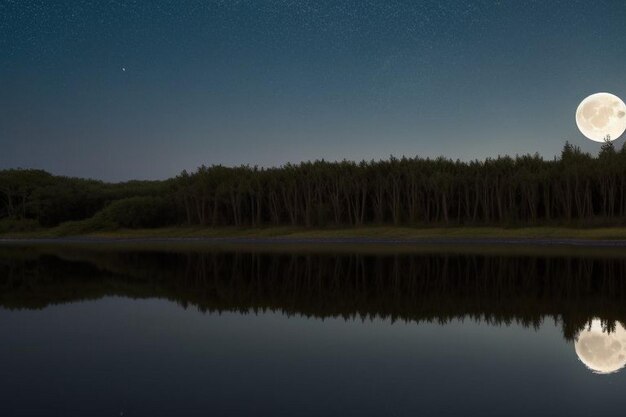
(371, 232)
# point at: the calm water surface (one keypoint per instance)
(89, 332)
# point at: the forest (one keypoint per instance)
(575, 189)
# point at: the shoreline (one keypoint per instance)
(321, 241)
(613, 237)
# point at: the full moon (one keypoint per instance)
(600, 351)
(601, 114)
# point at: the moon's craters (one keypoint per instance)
(597, 113)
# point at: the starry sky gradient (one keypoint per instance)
(264, 82)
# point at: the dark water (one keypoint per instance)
(241, 332)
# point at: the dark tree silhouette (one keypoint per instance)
(575, 189)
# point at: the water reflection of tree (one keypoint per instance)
(415, 287)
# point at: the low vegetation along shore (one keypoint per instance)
(365, 233)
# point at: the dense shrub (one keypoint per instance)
(140, 212)
(9, 225)
(97, 223)
(51, 200)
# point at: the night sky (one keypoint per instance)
(144, 89)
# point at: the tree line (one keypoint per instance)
(576, 188)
